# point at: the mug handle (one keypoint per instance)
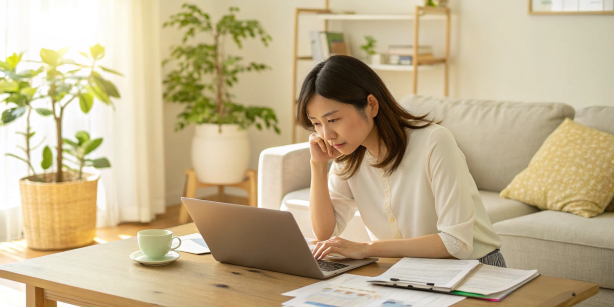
(176, 247)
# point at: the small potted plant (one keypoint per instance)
(372, 57)
(201, 80)
(59, 207)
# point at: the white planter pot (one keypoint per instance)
(220, 157)
(376, 59)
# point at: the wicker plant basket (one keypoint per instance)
(59, 215)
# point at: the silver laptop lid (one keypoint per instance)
(253, 237)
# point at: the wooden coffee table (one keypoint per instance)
(104, 275)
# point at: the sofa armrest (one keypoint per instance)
(282, 170)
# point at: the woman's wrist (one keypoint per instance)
(369, 249)
(319, 165)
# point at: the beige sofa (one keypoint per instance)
(498, 139)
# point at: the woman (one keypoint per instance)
(404, 173)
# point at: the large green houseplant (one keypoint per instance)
(59, 207)
(200, 80)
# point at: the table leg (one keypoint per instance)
(35, 297)
(253, 188)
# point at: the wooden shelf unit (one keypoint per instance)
(420, 13)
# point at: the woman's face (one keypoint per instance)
(340, 124)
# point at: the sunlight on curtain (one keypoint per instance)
(133, 189)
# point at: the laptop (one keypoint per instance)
(262, 238)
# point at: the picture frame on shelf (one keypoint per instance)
(571, 7)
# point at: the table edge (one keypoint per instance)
(94, 296)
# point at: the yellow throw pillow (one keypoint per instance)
(573, 171)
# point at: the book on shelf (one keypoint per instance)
(325, 44)
(408, 50)
(405, 59)
(458, 277)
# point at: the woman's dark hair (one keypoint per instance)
(348, 80)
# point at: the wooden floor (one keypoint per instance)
(15, 251)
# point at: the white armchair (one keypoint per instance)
(284, 178)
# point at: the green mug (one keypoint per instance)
(155, 243)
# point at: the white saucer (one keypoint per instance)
(141, 258)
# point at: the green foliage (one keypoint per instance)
(79, 149)
(204, 73)
(47, 158)
(60, 81)
(369, 46)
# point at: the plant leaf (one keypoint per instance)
(12, 114)
(49, 56)
(110, 89)
(85, 55)
(69, 168)
(62, 51)
(83, 137)
(17, 157)
(29, 91)
(86, 101)
(97, 51)
(101, 163)
(47, 158)
(106, 86)
(98, 93)
(91, 146)
(8, 86)
(71, 143)
(43, 111)
(109, 70)
(13, 60)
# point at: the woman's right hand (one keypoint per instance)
(321, 151)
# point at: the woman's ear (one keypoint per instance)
(374, 104)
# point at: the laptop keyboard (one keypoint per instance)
(328, 266)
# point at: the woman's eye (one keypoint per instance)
(316, 124)
(333, 120)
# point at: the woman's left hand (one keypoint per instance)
(354, 250)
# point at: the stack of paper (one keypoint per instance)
(493, 283)
(442, 275)
(459, 277)
(354, 291)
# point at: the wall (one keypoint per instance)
(505, 53)
(498, 51)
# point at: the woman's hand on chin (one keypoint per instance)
(321, 151)
(350, 249)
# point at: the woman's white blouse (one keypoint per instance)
(431, 192)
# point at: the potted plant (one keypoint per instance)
(59, 207)
(372, 57)
(201, 80)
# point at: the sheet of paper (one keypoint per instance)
(337, 296)
(354, 290)
(443, 273)
(319, 285)
(492, 279)
(193, 244)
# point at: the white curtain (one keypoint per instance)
(133, 188)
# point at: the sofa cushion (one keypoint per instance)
(597, 117)
(600, 118)
(561, 244)
(498, 138)
(573, 171)
(499, 209)
(297, 203)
